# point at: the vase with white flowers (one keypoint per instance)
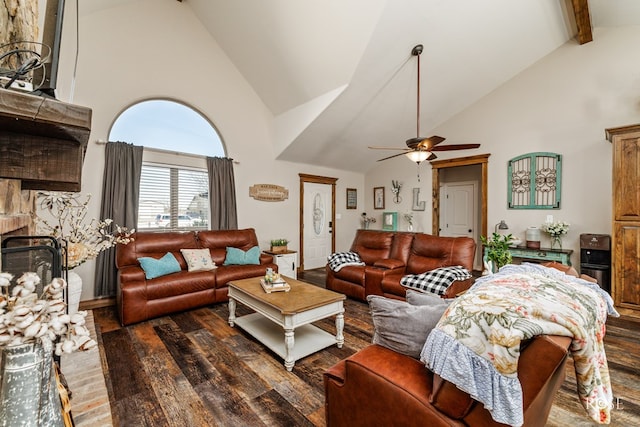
(64, 216)
(366, 220)
(556, 230)
(32, 327)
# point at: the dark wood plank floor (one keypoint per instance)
(193, 369)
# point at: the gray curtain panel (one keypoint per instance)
(222, 192)
(122, 169)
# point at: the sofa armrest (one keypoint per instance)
(540, 371)
(375, 275)
(266, 259)
(458, 287)
(389, 263)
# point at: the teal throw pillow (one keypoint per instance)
(159, 267)
(237, 256)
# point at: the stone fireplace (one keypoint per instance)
(42, 146)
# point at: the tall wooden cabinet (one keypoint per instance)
(625, 284)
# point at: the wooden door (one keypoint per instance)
(626, 178)
(626, 292)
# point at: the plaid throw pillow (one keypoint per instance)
(436, 281)
(338, 260)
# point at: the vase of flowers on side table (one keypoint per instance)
(556, 230)
(63, 216)
(366, 220)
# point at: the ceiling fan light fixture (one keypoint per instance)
(418, 156)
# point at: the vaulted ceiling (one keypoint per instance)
(338, 75)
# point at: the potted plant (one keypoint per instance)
(279, 245)
(497, 250)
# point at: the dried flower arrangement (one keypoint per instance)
(26, 317)
(68, 221)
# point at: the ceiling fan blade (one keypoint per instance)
(388, 148)
(432, 157)
(391, 157)
(455, 147)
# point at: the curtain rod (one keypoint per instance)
(163, 151)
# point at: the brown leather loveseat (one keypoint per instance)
(401, 391)
(390, 255)
(140, 299)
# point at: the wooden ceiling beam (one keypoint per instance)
(583, 20)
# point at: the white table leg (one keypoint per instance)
(339, 329)
(289, 342)
(232, 311)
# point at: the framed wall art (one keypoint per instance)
(378, 198)
(352, 198)
(390, 221)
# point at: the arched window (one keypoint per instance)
(174, 190)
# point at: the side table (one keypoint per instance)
(287, 262)
(542, 254)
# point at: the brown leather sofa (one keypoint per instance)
(140, 299)
(390, 255)
(381, 387)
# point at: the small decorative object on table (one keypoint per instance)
(556, 230)
(273, 282)
(366, 220)
(279, 245)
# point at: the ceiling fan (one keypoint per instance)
(421, 148)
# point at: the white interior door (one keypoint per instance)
(316, 224)
(459, 211)
(458, 216)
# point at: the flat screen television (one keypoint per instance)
(30, 46)
(51, 36)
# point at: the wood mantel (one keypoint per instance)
(42, 141)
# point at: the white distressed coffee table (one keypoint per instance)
(282, 320)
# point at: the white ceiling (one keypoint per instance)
(338, 75)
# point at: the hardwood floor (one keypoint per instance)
(193, 369)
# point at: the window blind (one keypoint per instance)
(173, 198)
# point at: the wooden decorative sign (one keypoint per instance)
(268, 192)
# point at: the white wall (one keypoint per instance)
(561, 104)
(150, 49)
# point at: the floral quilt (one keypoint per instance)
(476, 343)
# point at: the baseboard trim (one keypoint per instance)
(97, 303)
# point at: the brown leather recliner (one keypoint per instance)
(389, 255)
(380, 387)
(426, 253)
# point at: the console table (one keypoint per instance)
(541, 255)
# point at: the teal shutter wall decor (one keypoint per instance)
(534, 181)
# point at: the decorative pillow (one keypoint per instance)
(420, 298)
(237, 256)
(198, 259)
(159, 267)
(435, 281)
(337, 260)
(403, 327)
